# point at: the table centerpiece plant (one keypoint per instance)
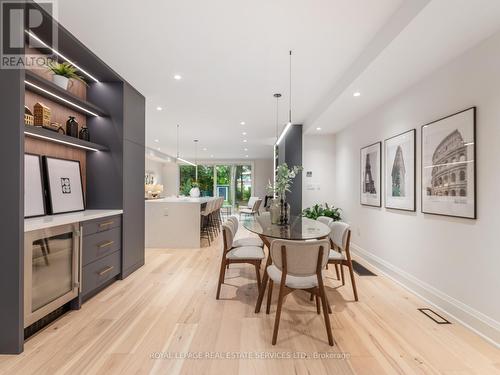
(280, 209)
(322, 210)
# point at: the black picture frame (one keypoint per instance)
(42, 185)
(379, 203)
(49, 187)
(414, 133)
(422, 179)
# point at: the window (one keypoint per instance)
(243, 183)
(187, 177)
(206, 180)
(224, 182)
(453, 177)
(462, 175)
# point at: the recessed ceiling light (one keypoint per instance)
(159, 108)
(158, 149)
(246, 156)
(177, 77)
(157, 140)
(244, 141)
(211, 156)
(318, 129)
(244, 133)
(242, 123)
(204, 149)
(246, 149)
(356, 94)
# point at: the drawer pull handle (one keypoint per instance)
(105, 244)
(106, 223)
(106, 270)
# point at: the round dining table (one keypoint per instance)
(299, 228)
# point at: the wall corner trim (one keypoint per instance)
(483, 325)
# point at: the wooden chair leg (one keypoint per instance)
(311, 297)
(337, 271)
(269, 296)
(328, 303)
(353, 282)
(318, 309)
(257, 274)
(325, 314)
(278, 313)
(221, 275)
(342, 274)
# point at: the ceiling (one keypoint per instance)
(233, 56)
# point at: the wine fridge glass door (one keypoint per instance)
(51, 270)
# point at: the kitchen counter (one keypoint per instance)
(48, 221)
(200, 200)
(174, 222)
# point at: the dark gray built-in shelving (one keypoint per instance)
(52, 136)
(115, 171)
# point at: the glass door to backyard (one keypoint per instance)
(231, 181)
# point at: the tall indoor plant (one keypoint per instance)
(284, 181)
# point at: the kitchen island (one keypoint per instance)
(174, 222)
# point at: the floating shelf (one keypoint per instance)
(51, 136)
(53, 92)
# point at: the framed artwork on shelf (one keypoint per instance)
(400, 171)
(34, 193)
(449, 165)
(64, 185)
(370, 175)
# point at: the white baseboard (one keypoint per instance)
(478, 322)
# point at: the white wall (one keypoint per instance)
(166, 174)
(318, 157)
(454, 263)
(263, 173)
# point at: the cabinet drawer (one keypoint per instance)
(98, 245)
(97, 273)
(100, 225)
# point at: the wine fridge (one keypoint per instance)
(51, 270)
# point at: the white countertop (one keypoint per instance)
(200, 200)
(48, 221)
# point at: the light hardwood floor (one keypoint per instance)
(169, 306)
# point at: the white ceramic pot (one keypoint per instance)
(60, 81)
(194, 192)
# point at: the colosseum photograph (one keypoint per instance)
(448, 165)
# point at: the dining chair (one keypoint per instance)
(243, 254)
(340, 254)
(299, 265)
(245, 241)
(327, 221)
(254, 208)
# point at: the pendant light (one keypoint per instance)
(196, 159)
(178, 158)
(289, 124)
(275, 147)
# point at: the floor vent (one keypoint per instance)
(438, 319)
(361, 270)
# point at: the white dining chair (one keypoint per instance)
(299, 265)
(340, 254)
(252, 208)
(245, 241)
(243, 254)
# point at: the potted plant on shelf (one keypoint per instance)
(195, 190)
(280, 209)
(63, 73)
(319, 210)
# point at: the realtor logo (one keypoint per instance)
(27, 34)
(65, 185)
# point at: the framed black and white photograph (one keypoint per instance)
(449, 165)
(370, 176)
(34, 194)
(64, 185)
(400, 171)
